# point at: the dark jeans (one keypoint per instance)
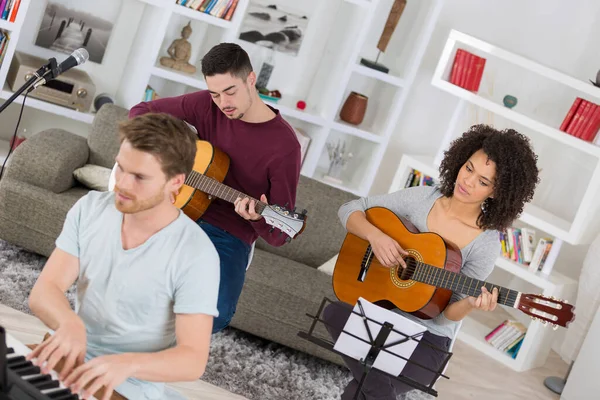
(233, 255)
(379, 386)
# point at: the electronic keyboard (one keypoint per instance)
(22, 380)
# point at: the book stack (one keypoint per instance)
(582, 120)
(4, 39)
(9, 9)
(223, 9)
(517, 244)
(150, 94)
(417, 178)
(540, 255)
(467, 70)
(507, 337)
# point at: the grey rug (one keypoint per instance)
(239, 362)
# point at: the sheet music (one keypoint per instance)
(357, 349)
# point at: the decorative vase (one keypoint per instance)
(354, 108)
(509, 101)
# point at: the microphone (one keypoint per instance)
(78, 57)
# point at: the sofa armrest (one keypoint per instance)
(48, 159)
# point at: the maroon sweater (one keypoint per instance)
(265, 159)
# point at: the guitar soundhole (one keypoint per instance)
(406, 274)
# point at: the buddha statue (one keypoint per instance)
(180, 52)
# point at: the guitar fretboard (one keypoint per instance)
(217, 189)
(440, 277)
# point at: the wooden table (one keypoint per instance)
(28, 329)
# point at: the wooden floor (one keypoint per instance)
(473, 374)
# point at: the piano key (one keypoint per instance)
(15, 360)
(68, 397)
(53, 394)
(48, 385)
(39, 379)
(32, 374)
(25, 371)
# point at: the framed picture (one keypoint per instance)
(68, 25)
(272, 25)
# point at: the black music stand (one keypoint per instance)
(377, 345)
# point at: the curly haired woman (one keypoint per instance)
(486, 178)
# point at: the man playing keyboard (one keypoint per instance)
(147, 276)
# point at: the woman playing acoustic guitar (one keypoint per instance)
(486, 177)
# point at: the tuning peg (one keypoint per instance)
(288, 239)
(554, 327)
(544, 323)
(287, 203)
(566, 301)
(271, 230)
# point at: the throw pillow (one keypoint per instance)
(328, 266)
(93, 176)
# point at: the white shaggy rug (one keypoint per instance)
(239, 362)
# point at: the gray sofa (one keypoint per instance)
(282, 284)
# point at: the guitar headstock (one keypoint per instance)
(548, 310)
(290, 222)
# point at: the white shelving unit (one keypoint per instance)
(338, 72)
(339, 34)
(14, 29)
(542, 129)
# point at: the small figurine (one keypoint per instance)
(180, 52)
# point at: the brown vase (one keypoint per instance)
(354, 108)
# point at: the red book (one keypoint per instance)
(479, 66)
(570, 115)
(571, 129)
(467, 59)
(460, 70)
(13, 14)
(584, 120)
(454, 73)
(592, 127)
(470, 71)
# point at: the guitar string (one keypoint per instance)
(431, 273)
(215, 187)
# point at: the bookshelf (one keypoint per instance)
(542, 126)
(14, 31)
(339, 33)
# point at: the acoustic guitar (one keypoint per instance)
(204, 184)
(432, 273)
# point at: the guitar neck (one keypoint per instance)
(442, 278)
(217, 189)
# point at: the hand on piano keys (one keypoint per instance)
(29, 376)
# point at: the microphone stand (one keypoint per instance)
(50, 70)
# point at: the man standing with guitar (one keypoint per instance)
(486, 177)
(264, 155)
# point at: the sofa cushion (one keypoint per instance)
(48, 159)
(93, 177)
(104, 136)
(38, 229)
(324, 234)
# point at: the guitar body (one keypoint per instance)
(211, 162)
(384, 286)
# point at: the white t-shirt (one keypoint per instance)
(128, 298)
